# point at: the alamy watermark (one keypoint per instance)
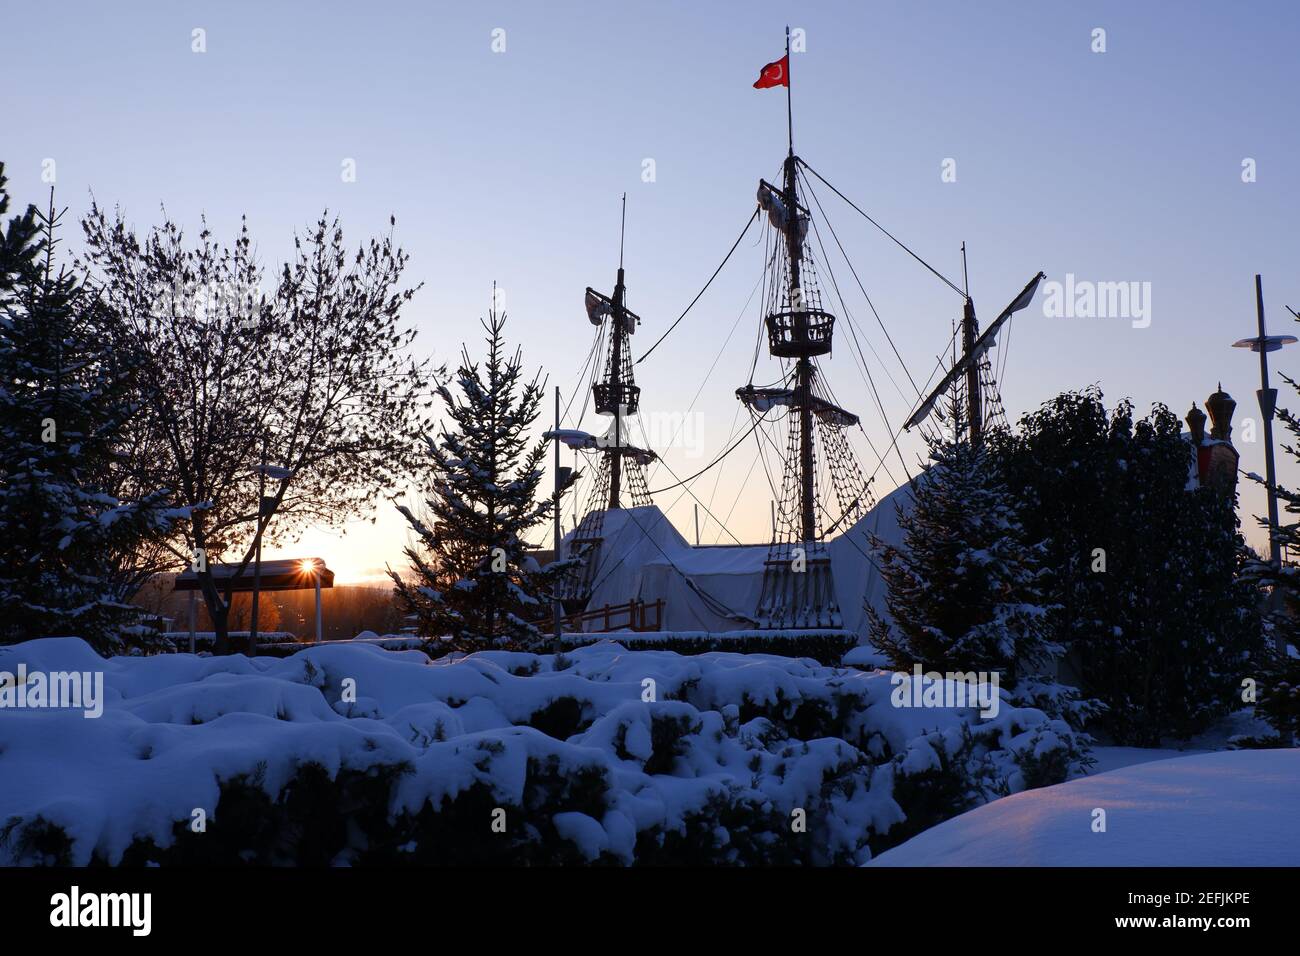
(56, 690)
(950, 689)
(658, 429)
(75, 909)
(1085, 299)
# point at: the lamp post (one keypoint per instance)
(314, 571)
(1267, 395)
(265, 510)
(557, 612)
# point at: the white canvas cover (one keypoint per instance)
(716, 588)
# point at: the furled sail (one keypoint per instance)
(763, 400)
(771, 202)
(982, 345)
(600, 307)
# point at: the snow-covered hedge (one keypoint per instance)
(827, 647)
(354, 754)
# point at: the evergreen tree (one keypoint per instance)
(474, 580)
(964, 587)
(61, 407)
(20, 245)
(1279, 675)
(1284, 618)
(1158, 620)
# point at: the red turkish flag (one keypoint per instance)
(774, 74)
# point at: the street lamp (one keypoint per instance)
(1263, 344)
(311, 568)
(266, 506)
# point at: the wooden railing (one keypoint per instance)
(634, 616)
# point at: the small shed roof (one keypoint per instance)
(295, 574)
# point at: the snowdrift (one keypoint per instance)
(600, 754)
(1233, 808)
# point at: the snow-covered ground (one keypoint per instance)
(668, 735)
(1117, 758)
(1218, 736)
(1233, 808)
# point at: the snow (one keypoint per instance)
(866, 657)
(583, 830)
(1116, 758)
(1232, 808)
(174, 726)
(1218, 736)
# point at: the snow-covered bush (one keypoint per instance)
(1157, 618)
(1278, 705)
(353, 754)
(827, 647)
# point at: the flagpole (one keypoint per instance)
(789, 111)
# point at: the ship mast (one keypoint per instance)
(804, 366)
(975, 345)
(620, 475)
(969, 332)
(798, 590)
(617, 347)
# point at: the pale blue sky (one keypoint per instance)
(1115, 166)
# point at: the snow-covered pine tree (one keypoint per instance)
(1278, 672)
(1283, 619)
(474, 581)
(19, 244)
(965, 593)
(964, 587)
(60, 408)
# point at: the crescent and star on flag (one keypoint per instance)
(776, 73)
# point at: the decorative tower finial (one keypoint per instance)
(1221, 406)
(1196, 425)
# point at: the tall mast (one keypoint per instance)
(969, 333)
(621, 469)
(789, 109)
(616, 371)
(798, 588)
(804, 366)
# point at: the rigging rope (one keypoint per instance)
(687, 490)
(717, 476)
(582, 373)
(871, 383)
(758, 440)
(743, 485)
(702, 291)
(861, 288)
(897, 241)
(711, 464)
(709, 374)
